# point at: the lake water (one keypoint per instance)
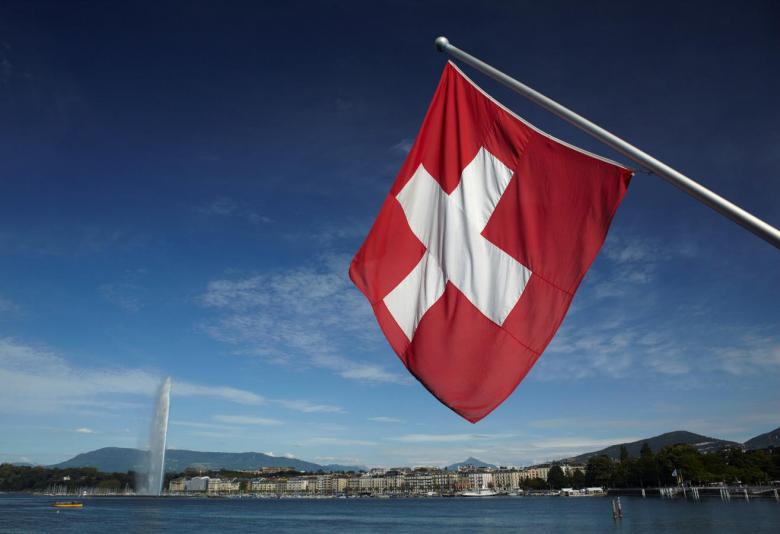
(24, 513)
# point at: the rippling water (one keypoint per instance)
(24, 513)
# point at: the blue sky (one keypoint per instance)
(182, 186)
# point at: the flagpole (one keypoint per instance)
(748, 221)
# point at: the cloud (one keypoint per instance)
(85, 430)
(340, 442)
(201, 425)
(247, 420)
(123, 295)
(384, 419)
(7, 306)
(447, 438)
(751, 354)
(343, 460)
(186, 389)
(630, 329)
(309, 407)
(36, 379)
(404, 145)
(307, 317)
(327, 234)
(581, 443)
(220, 206)
(658, 348)
(226, 207)
(633, 262)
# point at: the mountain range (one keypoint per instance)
(117, 459)
(120, 460)
(764, 441)
(702, 444)
(469, 461)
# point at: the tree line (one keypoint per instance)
(27, 478)
(672, 465)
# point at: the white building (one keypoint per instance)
(197, 484)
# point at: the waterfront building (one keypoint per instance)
(506, 479)
(177, 485)
(419, 482)
(444, 481)
(340, 484)
(219, 485)
(372, 484)
(264, 485)
(536, 472)
(324, 484)
(196, 484)
(353, 485)
(297, 485)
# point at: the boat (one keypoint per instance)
(69, 504)
(484, 491)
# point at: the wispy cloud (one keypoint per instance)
(309, 407)
(634, 262)
(340, 442)
(241, 396)
(327, 234)
(85, 430)
(7, 306)
(202, 425)
(385, 419)
(247, 420)
(314, 313)
(629, 328)
(226, 207)
(403, 146)
(38, 380)
(750, 354)
(123, 295)
(448, 438)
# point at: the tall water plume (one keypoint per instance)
(155, 474)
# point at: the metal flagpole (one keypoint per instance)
(750, 222)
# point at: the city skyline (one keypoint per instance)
(186, 205)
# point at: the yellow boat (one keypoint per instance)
(71, 504)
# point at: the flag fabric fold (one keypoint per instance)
(480, 245)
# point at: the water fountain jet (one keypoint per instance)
(155, 473)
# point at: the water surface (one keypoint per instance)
(25, 513)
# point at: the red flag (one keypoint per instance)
(478, 249)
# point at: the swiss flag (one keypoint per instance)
(480, 245)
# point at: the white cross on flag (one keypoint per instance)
(478, 249)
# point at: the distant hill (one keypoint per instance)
(108, 459)
(345, 468)
(120, 460)
(469, 461)
(763, 441)
(656, 443)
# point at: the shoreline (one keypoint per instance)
(674, 493)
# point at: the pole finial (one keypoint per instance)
(442, 43)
